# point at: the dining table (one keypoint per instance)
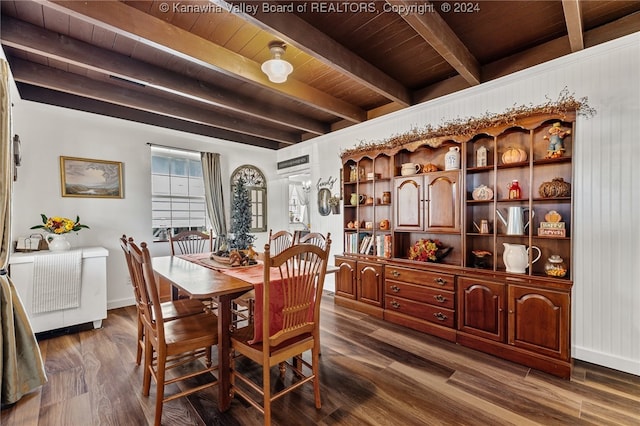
(200, 277)
(199, 281)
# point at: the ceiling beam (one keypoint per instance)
(435, 31)
(144, 28)
(573, 17)
(43, 76)
(309, 39)
(33, 39)
(67, 100)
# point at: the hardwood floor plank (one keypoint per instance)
(372, 373)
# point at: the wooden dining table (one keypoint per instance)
(201, 282)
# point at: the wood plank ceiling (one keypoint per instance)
(195, 65)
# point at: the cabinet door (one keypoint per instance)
(481, 310)
(539, 320)
(346, 278)
(443, 202)
(408, 204)
(370, 283)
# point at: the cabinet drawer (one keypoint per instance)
(436, 314)
(420, 293)
(425, 278)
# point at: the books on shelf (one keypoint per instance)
(362, 243)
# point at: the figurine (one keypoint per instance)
(556, 147)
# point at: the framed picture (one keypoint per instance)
(83, 177)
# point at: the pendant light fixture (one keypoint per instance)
(277, 69)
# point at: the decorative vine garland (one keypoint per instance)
(467, 126)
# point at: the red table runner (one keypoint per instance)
(253, 274)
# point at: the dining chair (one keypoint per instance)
(171, 344)
(292, 287)
(190, 242)
(315, 238)
(278, 241)
(170, 310)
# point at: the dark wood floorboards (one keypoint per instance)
(372, 373)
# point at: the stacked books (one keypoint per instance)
(380, 245)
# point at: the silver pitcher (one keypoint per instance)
(515, 221)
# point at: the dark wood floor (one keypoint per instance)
(372, 373)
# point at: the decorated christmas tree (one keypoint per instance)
(240, 237)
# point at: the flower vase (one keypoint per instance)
(58, 242)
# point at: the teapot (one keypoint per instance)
(515, 220)
(516, 257)
(409, 169)
(357, 199)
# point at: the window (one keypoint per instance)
(257, 186)
(177, 192)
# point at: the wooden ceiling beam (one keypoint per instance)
(144, 28)
(297, 32)
(435, 31)
(573, 17)
(33, 39)
(43, 76)
(67, 100)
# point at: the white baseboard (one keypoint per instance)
(631, 366)
(120, 303)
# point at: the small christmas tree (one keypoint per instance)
(241, 217)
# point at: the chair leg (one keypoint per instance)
(146, 375)
(315, 355)
(266, 385)
(140, 342)
(160, 373)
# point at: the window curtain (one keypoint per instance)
(21, 367)
(304, 195)
(213, 195)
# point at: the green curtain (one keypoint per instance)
(21, 367)
(214, 198)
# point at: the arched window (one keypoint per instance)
(257, 186)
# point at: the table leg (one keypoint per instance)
(224, 352)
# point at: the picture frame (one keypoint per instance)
(90, 178)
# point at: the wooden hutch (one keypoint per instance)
(463, 298)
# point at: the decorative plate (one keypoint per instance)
(482, 193)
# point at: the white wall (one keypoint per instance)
(606, 294)
(50, 132)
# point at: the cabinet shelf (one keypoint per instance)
(552, 200)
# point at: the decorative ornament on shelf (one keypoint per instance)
(556, 145)
(57, 227)
(429, 251)
(556, 188)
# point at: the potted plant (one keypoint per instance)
(334, 203)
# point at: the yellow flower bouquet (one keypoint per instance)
(60, 225)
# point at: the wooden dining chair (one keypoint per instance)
(171, 344)
(190, 242)
(292, 285)
(278, 241)
(170, 310)
(314, 238)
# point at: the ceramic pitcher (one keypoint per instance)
(516, 257)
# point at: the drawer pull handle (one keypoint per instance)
(395, 288)
(440, 316)
(395, 273)
(440, 281)
(395, 304)
(440, 298)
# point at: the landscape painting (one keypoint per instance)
(83, 177)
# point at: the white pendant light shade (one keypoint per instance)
(277, 69)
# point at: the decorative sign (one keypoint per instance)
(293, 162)
(326, 183)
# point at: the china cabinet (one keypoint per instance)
(507, 201)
